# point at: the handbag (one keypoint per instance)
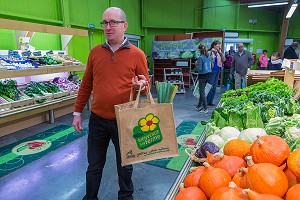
(146, 129)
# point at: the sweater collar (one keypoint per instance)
(125, 44)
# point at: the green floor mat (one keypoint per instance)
(188, 134)
(23, 152)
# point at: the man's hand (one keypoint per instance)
(138, 81)
(77, 124)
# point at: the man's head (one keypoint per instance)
(231, 48)
(114, 25)
(241, 47)
(294, 45)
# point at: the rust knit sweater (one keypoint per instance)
(109, 75)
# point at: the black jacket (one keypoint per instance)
(290, 53)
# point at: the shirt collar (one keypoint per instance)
(125, 44)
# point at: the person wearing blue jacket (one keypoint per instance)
(204, 66)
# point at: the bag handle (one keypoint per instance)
(148, 94)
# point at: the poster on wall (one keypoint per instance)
(179, 49)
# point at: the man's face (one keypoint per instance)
(241, 48)
(115, 30)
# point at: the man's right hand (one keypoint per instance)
(77, 124)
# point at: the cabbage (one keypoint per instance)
(229, 132)
(292, 134)
(206, 146)
(250, 134)
(216, 139)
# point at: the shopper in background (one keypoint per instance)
(231, 51)
(263, 60)
(218, 58)
(227, 66)
(203, 65)
(276, 62)
(242, 61)
(290, 52)
(113, 68)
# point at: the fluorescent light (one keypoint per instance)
(266, 4)
(291, 11)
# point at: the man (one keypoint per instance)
(231, 51)
(242, 60)
(290, 52)
(112, 69)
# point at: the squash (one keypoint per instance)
(252, 195)
(231, 192)
(265, 178)
(230, 164)
(293, 193)
(293, 162)
(212, 179)
(237, 147)
(240, 178)
(292, 179)
(190, 193)
(192, 179)
(270, 149)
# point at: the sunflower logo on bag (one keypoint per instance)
(147, 132)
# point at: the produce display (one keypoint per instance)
(252, 147)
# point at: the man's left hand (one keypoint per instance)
(139, 80)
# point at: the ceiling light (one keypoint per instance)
(268, 3)
(291, 11)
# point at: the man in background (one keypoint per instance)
(242, 61)
(290, 52)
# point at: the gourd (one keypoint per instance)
(231, 192)
(212, 179)
(270, 149)
(292, 179)
(252, 195)
(265, 178)
(237, 147)
(293, 162)
(230, 164)
(293, 193)
(190, 193)
(192, 179)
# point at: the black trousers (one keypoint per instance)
(203, 80)
(101, 131)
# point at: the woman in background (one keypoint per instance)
(276, 62)
(218, 58)
(203, 66)
(263, 60)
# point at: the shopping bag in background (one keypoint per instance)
(196, 89)
(146, 130)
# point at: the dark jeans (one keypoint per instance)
(203, 80)
(100, 132)
(213, 80)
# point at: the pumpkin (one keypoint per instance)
(292, 179)
(270, 149)
(190, 193)
(252, 195)
(293, 193)
(237, 147)
(212, 179)
(265, 178)
(240, 178)
(230, 164)
(231, 192)
(192, 179)
(293, 162)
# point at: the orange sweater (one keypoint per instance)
(109, 76)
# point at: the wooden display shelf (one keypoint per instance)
(40, 70)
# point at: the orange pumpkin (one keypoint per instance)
(270, 149)
(256, 196)
(212, 179)
(292, 179)
(190, 193)
(230, 164)
(237, 147)
(240, 178)
(231, 192)
(265, 178)
(293, 162)
(192, 179)
(293, 193)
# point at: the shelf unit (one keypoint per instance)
(175, 77)
(161, 64)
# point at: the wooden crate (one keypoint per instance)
(5, 105)
(60, 94)
(21, 103)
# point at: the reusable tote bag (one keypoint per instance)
(196, 90)
(146, 130)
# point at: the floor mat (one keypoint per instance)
(188, 134)
(23, 152)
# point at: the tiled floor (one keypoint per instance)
(61, 174)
